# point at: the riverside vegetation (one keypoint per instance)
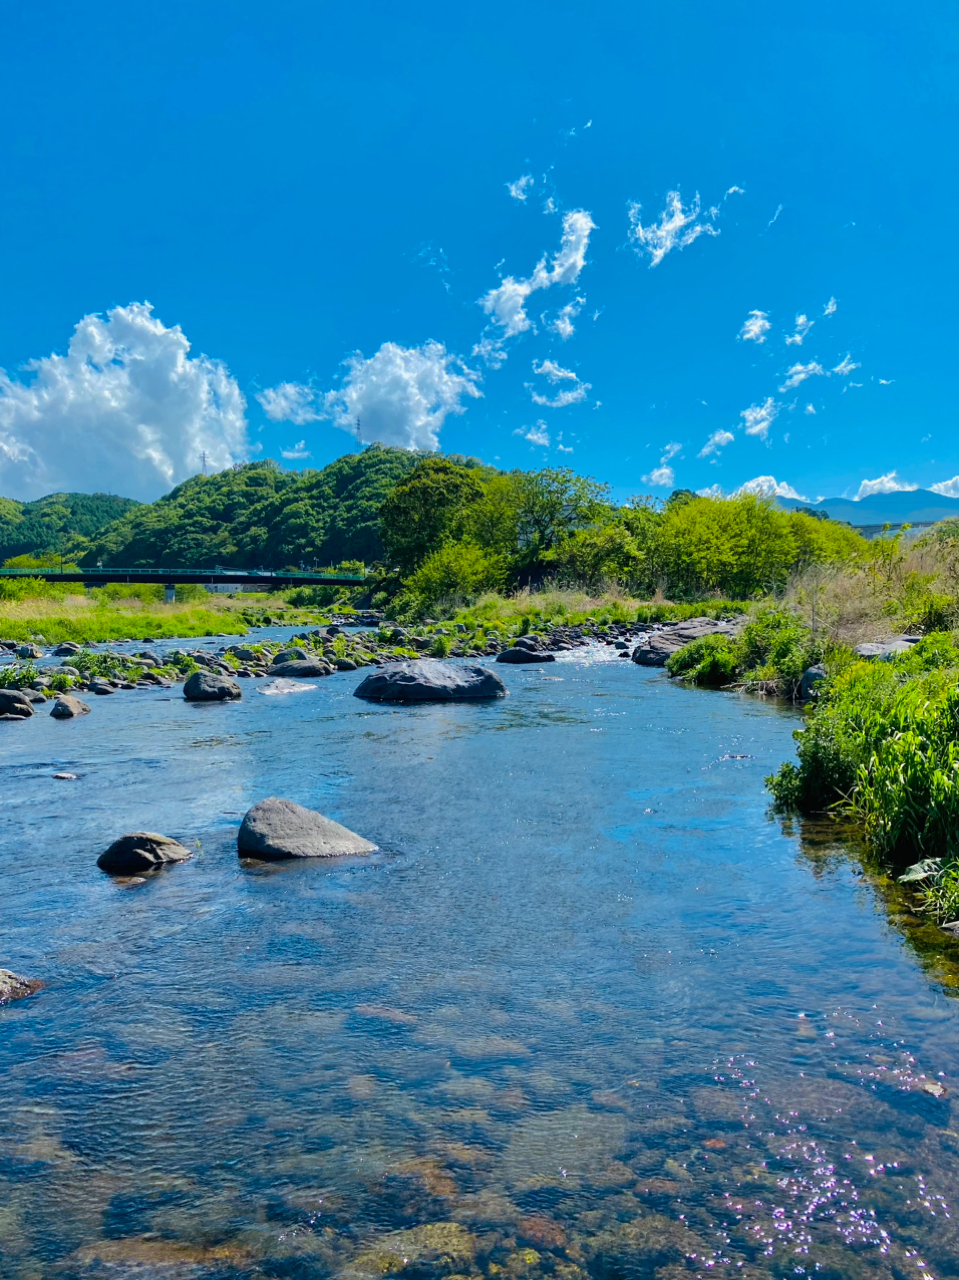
(496, 555)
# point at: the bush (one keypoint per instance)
(769, 654)
(455, 574)
(711, 662)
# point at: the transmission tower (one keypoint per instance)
(359, 438)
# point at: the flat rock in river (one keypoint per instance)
(522, 654)
(300, 670)
(15, 987)
(140, 851)
(427, 680)
(209, 686)
(277, 829)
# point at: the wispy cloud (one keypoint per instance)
(663, 476)
(800, 372)
(755, 327)
(535, 435)
(298, 450)
(830, 308)
(775, 217)
(400, 396)
(770, 487)
(563, 323)
(558, 376)
(846, 366)
(506, 304)
(518, 189)
(718, 440)
(889, 483)
(803, 325)
(758, 418)
(677, 227)
(810, 409)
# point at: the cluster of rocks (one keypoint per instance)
(659, 642)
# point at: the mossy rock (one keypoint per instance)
(446, 1246)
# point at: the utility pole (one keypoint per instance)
(359, 439)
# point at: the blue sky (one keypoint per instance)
(295, 185)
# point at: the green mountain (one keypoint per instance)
(257, 516)
(51, 524)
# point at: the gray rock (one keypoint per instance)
(66, 708)
(812, 677)
(521, 654)
(14, 987)
(15, 705)
(207, 686)
(345, 664)
(277, 829)
(66, 649)
(69, 671)
(140, 851)
(300, 670)
(29, 651)
(244, 654)
(882, 651)
(154, 659)
(658, 647)
(428, 680)
(101, 687)
(293, 654)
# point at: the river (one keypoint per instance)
(590, 1011)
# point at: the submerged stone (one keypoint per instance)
(13, 986)
(522, 654)
(140, 851)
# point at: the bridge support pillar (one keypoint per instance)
(169, 593)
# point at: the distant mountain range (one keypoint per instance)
(912, 506)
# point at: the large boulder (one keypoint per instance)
(883, 651)
(140, 851)
(15, 987)
(293, 654)
(522, 654)
(15, 705)
(277, 829)
(29, 651)
(427, 680)
(300, 669)
(209, 686)
(66, 649)
(66, 708)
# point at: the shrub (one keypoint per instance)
(711, 661)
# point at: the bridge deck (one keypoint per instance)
(267, 579)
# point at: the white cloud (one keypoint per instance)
(718, 440)
(889, 483)
(775, 217)
(517, 189)
(846, 366)
(811, 409)
(536, 435)
(758, 418)
(677, 227)
(506, 304)
(948, 488)
(830, 307)
(735, 191)
(661, 477)
(401, 395)
(126, 410)
(886, 382)
(670, 451)
(563, 324)
(755, 327)
(298, 450)
(557, 375)
(800, 372)
(803, 325)
(714, 491)
(770, 487)
(289, 402)
(564, 448)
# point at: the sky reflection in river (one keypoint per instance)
(590, 1012)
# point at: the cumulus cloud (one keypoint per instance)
(770, 487)
(289, 402)
(663, 476)
(948, 488)
(126, 409)
(889, 483)
(755, 327)
(563, 324)
(677, 227)
(518, 188)
(846, 366)
(803, 325)
(537, 435)
(400, 396)
(758, 418)
(299, 450)
(830, 307)
(558, 377)
(718, 440)
(800, 372)
(506, 304)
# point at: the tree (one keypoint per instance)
(426, 511)
(554, 502)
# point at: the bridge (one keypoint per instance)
(262, 579)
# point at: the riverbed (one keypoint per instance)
(589, 1011)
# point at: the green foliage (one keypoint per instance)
(770, 653)
(426, 511)
(452, 575)
(113, 592)
(95, 626)
(712, 661)
(14, 589)
(53, 523)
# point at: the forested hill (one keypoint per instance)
(51, 524)
(257, 515)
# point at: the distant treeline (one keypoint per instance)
(53, 524)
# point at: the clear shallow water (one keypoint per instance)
(590, 1012)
